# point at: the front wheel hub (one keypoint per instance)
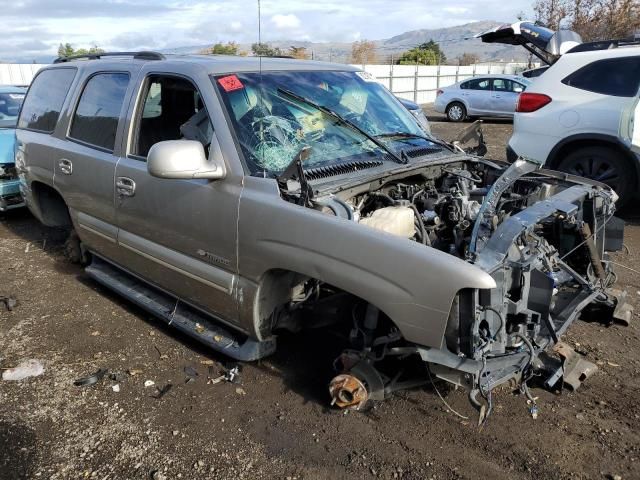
(348, 391)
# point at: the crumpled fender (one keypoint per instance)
(413, 284)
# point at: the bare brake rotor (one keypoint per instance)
(348, 391)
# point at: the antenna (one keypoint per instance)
(260, 99)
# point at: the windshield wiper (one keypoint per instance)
(340, 119)
(402, 135)
(416, 135)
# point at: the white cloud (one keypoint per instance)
(41, 25)
(285, 22)
(456, 10)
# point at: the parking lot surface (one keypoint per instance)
(276, 422)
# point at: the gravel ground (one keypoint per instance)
(276, 423)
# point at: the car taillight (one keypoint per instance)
(530, 102)
(439, 92)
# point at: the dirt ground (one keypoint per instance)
(277, 422)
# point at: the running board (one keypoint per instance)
(178, 314)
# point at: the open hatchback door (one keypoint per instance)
(543, 42)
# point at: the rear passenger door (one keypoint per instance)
(84, 170)
(504, 96)
(477, 93)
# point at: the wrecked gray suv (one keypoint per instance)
(236, 198)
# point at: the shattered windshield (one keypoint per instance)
(272, 125)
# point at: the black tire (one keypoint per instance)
(72, 249)
(456, 112)
(603, 164)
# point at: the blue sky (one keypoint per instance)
(36, 27)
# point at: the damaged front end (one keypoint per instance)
(544, 238)
(550, 262)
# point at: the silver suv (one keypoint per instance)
(239, 197)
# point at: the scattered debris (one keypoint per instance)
(117, 376)
(116, 388)
(25, 369)
(149, 383)
(9, 302)
(163, 356)
(199, 328)
(576, 368)
(611, 364)
(161, 392)
(191, 372)
(91, 379)
(207, 362)
(233, 374)
(158, 475)
(134, 371)
(240, 391)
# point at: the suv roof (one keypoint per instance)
(214, 64)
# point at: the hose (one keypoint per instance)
(499, 315)
(423, 231)
(345, 206)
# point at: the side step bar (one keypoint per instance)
(179, 315)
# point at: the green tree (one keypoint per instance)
(229, 48)
(265, 50)
(67, 50)
(428, 53)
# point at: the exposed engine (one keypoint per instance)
(443, 207)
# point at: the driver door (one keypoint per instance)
(177, 234)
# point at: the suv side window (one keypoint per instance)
(41, 108)
(172, 110)
(619, 77)
(477, 84)
(95, 120)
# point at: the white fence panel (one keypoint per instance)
(420, 83)
(18, 73)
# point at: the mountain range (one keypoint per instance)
(454, 41)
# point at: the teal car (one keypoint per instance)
(10, 101)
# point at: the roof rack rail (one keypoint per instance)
(143, 55)
(604, 45)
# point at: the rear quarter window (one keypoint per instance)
(41, 107)
(619, 77)
(477, 84)
(95, 120)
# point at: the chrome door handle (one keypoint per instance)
(66, 166)
(125, 186)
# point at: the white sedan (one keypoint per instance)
(482, 96)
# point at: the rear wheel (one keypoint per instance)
(603, 164)
(456, 112)
(72, 248)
